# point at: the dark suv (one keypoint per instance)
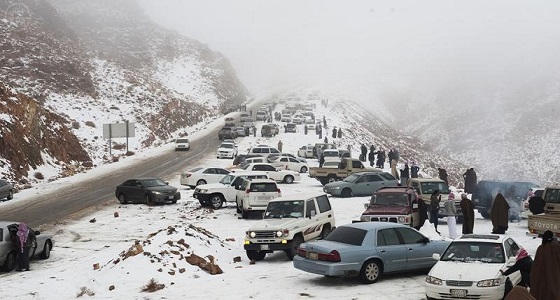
(486, 190)
(227, 133)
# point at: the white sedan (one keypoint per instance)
(272, 172)
(470, 268)
(290, 163)
(198, 176)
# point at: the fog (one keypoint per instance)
(368, 48)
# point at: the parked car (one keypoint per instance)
(289, 163)
(276, 155)
(261, 115)
(268, 131)
(263, 150)
(285, 176)
(286, 118)
(255, 194)
(470, 267)
(6, 190)
(226, 150)
(148, 190)
(8, 256)
(486, 190)
(240, 158)
(331, 154)
(359, 184)
(240, 131)
(290, 127)
(369, 250)
(227, 133)
(215, 194)
(397, 204)
(306, 151)
(198, 176)
(182, 144)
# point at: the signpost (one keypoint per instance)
(118, 130)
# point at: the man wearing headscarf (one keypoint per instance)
(467, 207)
(499, 214)
(546, 269)
(523, 264)
(451, 212)
(25, 240)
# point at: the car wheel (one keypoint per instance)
(122, 199)
(10, 195)
(347, 192)
(289, 179)
(216, 201)
(244, 213)
(10, 262)
(294, 245)
(147, 200)
(508, 287)
(201, 182)
(255, 255)
(325, 231)
(46, 250)
(370, 272)
(303, 169)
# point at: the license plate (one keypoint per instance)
(264, 247)
(263, 197)
(312, 255)
(458, 293)
(171, 197)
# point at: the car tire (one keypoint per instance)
(46, 250)
(294, 245)
(148, 200)
(371, 271)
(346, 192)
(244, 213)
(10, 262)
(10, 195)
(255, 255)
(122, 199)
(216, 201)
(303, 169)
(201, 182)
(289, 179)
(507, 287)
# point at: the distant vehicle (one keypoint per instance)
(263, 150)
(289, 163)
(255, 194)
(275, 128)
(245, 117)
(240, 131)
(486, 190)
(310, 127)
(470, 267)
(226, 150)
(6, 190)
(268, 131)
(346, 167)
(306, 151)
(227, 133)
(359, 184)
(368, 250)
(229, 122)
(198, 176)
(8, 256)
(182, 144)
(285, 176)
(331, 154)
(298, 119)
(240, 158)
(396, 204)
(286, 118)
(215, 194)
(261, 115)
(290, 127)
(148, 190)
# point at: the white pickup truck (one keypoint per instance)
(215, 194)
(289, 221)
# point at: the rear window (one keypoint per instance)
(347, 235)
(182, 141)
(263, 187)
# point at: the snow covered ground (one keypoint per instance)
(168, 234)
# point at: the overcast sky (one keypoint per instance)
(361, 46)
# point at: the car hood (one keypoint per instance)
(226, 149)
(386, 210)
(162, 188)
(276, 224)
(212, 186)
(338, 184)
(465, 271)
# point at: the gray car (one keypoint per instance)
(368, 249)
(6, 190)
(361, 183)
(8, 254)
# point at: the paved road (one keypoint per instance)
(79, 200)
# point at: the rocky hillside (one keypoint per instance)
(90, 62)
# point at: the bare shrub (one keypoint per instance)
(129, 153)
(153, 286)
(75, 125)
(90, 124)
(85, 291)
(39, 175)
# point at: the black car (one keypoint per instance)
(6, 190)
(227, 133)
(290, 127)
(148, 190)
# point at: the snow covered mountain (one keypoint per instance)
(95, 62)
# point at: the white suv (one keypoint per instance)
(255, 194)
(289, 221)
(215, 194)
(227, 150)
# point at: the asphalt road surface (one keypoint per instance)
(81, 199)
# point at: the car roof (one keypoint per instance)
(261, 180)
(395, 189)
(375, 225)
(426, 179)
(486, 238)
(369, 172)
(299, 196)
(144, 178)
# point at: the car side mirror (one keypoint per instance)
(436, 256)
(36, 232)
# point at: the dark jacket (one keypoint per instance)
(405, 173)
(545, 272)
(524, 267)
(470, 181)
(536, 205)
(414, 171)
(499, 214)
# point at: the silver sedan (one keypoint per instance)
(8, 255)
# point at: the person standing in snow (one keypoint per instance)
(443, 175)
(435, 199)
(363, 150)
(467, 207)
(470, 181)
(499, 214)
(422, 212)
(405, 174)
(371, 155)
(381, 159)
(339, 134)
(396, 154)
(546, 268)
(24, 242)
(414, 170)
(394, 171)
(326, 140)
(280, 144)
(334, 132)
(390, 156)
(451, 213)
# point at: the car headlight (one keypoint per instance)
(156, 193)
(489, 282)
(279, 233)
(402, 219)
(252, 234)
(203, 191)
(433, 280)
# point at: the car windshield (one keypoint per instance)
(474, 251)
(347, 235)
(330, 153)
(182, 141)
(230, 146)
(227, 179)
(429, 187)
(153, 182)
(284, 209)
(351, 178)
(389, 199)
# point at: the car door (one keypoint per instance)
(293, 164)
(512, 248)
(390, 250)
(313, 229)
(207, 175)
(419, 253)
(137, 191)
(3, 189)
